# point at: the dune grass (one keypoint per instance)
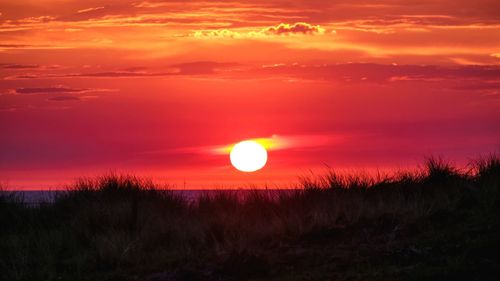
(438, 222)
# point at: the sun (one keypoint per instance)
(248, 156)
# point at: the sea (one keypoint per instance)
(35, 197)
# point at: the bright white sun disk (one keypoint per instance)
(248, 156)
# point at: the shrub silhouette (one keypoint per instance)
(331, 226)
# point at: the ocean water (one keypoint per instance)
(38, 197)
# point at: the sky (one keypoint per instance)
(160, 88)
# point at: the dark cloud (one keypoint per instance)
(350, 72)
(49, 90)
(379, 73)
(191, 68)
(479, 86)
(24, 77)
(202, 67)
(105, 74)
(10, 108)
(19, 66)
(64, 98)
(13, 46)
(117, 74)
(134, 68)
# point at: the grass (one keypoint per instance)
(437, 223)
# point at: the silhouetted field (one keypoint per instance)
(436, 223)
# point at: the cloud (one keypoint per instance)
(49, 90)
(189, 68)
(203, 67)
(219, 33)
(336, 73)
(64, 98)
(35, 20)
(296, 28)
(14, 46)
(31, 47)
(116, 74)
(272, 143)
(279, 142)
(377, 73)
(392, 31)
(19, 66)
(24, 76)
(29, 66)
(89, 10)
(479, 85)
(9, 108)
(134, 69)
(104, 74)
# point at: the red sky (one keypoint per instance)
(154, 88)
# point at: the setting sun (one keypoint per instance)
(248, 156)
(249, 140)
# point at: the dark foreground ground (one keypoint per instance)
(434, 224)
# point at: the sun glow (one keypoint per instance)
(248, 156)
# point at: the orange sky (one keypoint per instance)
(152, 87)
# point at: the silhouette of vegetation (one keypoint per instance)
(438, 223)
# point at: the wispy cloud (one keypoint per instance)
(49, 90)
(204, 67)
(89, 10)
(189, 68)
(19, 66)
(282, 142)
(65, 91)
(338, 73)
(64, 98)
(103, 74)
(272, 143)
